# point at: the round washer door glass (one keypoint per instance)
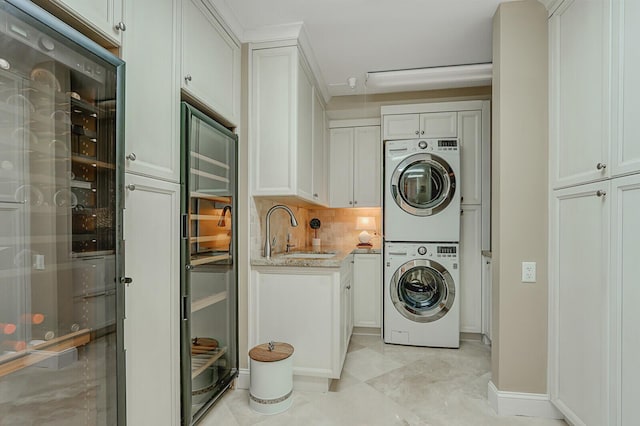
(422, 290)
(423, 184)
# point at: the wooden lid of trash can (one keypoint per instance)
(279, 352)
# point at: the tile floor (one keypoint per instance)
(389, 385)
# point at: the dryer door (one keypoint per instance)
(423, 184)
(422, 290)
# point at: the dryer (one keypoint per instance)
(422, 194)
(421, 294)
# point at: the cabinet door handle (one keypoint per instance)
(187, 78)
(349, 287)
(131, 156)
(601, 193)
(350, 202)
(120, 26)
(422, 132)
(315, 195)
(126, 280)
(355, 202)
(601, 166)
(417, 132)
(131, 187)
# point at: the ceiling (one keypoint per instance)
(352, 37)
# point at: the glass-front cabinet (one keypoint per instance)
(209, 268)
(60, 224)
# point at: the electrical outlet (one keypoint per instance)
(528, 272)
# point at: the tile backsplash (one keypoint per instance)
(338, 226)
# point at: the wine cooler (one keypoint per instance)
(60, 223)
(209, 352)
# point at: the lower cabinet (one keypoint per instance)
(625, 249)
(309, 308)
(471, 269)
(580, 300)
(151, 326)
(367, 290)
(487, 283)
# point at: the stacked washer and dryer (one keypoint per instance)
(421, 250)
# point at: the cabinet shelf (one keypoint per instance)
(12, 362)
(209, 239)
(201, 362)
(92, 162)
(209, 175)
(204, 217)
(208, 301)
(203, 260)
(210, 197)
(209, 160)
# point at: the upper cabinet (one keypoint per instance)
(287, 126)
(102, 16)
(579, 92)
(470, 134)
(411, 126)
(153, 93)
(210, 62)
(625, 88)
(354, 166)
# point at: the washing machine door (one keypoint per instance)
(422, 290)
(423, 184)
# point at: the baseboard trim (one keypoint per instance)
(522, 404)
(243, 379)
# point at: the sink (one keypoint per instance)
(310, 255)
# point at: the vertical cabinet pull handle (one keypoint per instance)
(185, 227)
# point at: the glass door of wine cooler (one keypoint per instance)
(209, 273)
(59, 224)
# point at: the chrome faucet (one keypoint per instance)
(267, 243)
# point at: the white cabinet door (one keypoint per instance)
(579, 112)
(401, 126)
(153, 95)
(367, 184)
(151, 327)
(273, 128)
(304, 144)
(341, 167)
(471, 269)
(438, 125)
(470, 132)
(367, 290)
(103, 16)
(320, 194)
(210, 61)
(580, 298)
(280, 310)
(626, 88)
(625, 246)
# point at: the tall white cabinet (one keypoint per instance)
(594, 221)
(152, 98)
(152, 259)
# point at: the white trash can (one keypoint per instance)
(271, 375)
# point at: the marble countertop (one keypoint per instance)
(332, 262)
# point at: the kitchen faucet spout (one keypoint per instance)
(267, 243)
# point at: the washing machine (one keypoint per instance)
(421, 294)
(422, 193)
